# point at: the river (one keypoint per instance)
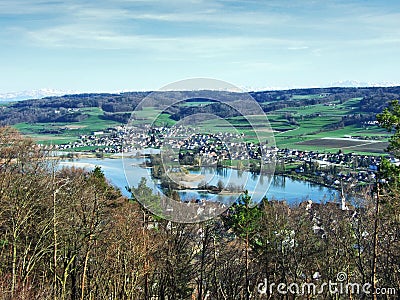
(278, 187)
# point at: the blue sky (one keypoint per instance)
(112, 45)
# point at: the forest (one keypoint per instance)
(117, 106)
(68, 234)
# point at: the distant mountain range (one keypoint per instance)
(343, 83)
(33, 94)
(42, 93)
(353, 83)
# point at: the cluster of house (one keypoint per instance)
(217, 146)
(211, 148)
(220, 146)
(332, 159)
(107, 141)
(334, 168)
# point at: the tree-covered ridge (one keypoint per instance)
(116, 106)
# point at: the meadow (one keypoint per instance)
(304, 128)
(61, 133)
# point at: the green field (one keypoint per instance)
(196, 103)
(332, 144)
(294, 127)
(335, 108)
(312, 123)
(66, 132)
(312, 96)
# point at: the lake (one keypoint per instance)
(277, 188)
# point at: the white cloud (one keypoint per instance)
(118, 24)
(206, 36)
(294, 48)
(24, 7)
(170, 48)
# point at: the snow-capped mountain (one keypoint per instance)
(342, 83)
(34, 94)
(354, 83)
(41, 93)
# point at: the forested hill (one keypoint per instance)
(117, 107)
(373, 98)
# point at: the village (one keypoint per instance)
(223, 149)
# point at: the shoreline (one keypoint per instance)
(89, 155)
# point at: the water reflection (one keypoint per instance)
(281, 187)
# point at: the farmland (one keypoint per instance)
(313, 123)
(303, 128)
(63, 132)
(310, 127)
(347, 144)
(306, 134)
(298, 119)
